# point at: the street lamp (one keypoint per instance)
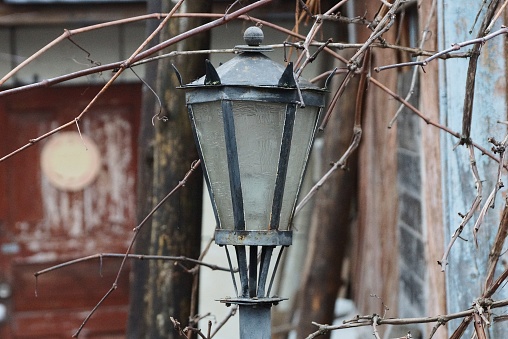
(254, 124)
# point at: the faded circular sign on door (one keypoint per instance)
(70, 161)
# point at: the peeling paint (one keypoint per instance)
(105, 205)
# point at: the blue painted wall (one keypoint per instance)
(467, 267)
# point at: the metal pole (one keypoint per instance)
(255, 321)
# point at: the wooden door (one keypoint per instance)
(46, 219)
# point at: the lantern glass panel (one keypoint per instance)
(303, 134)
(259, 127)
(209, 125)
(258, 130)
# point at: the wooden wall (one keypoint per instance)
(376, 250)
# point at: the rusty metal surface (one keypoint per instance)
(253, 238)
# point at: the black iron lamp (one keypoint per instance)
(254, 124)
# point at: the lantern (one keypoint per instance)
(254, 124)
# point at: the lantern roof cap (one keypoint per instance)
(253, 37)
(252, 68)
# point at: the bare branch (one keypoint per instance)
(357, 134)
(367, 320)
(132, 256)
(430, 121)
(232, 311)
(455, 47)
(494, 19)
(497, 247)
(120, 66)
(384, 25)
(467, 111)
(414, 76)
(474, 207)
(489, 204)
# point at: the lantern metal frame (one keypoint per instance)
(253, 77)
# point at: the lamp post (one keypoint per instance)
(254, 124)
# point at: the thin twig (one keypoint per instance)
(108, 293)
(485, 299)
(375, 318)
(494, 19)
(414, 76)
(430, 121)
(478, 326)
(232, 311)
(384, 25)
(357, 134)
(354, 62)
(195, 281)
(489, 203)
(132, 256)
(308, 39)
(455, 47)
(349, 75)
(467, 110)
(127, 63)
(366, 320)
(411, 50)
(386, 3)
(68, 33)
(474, 207)
(311, 58)
(339, 18)
(497, 247)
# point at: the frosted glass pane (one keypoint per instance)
(210, 132)
(259, 129)
(303, 130)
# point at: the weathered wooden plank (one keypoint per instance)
(376, 236)
(467, 264)
(432, 209)
(64, 297)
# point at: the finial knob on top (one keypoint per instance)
(253, 36)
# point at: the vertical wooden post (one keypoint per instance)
(139, 271)
(432, 208)
(176, 226)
